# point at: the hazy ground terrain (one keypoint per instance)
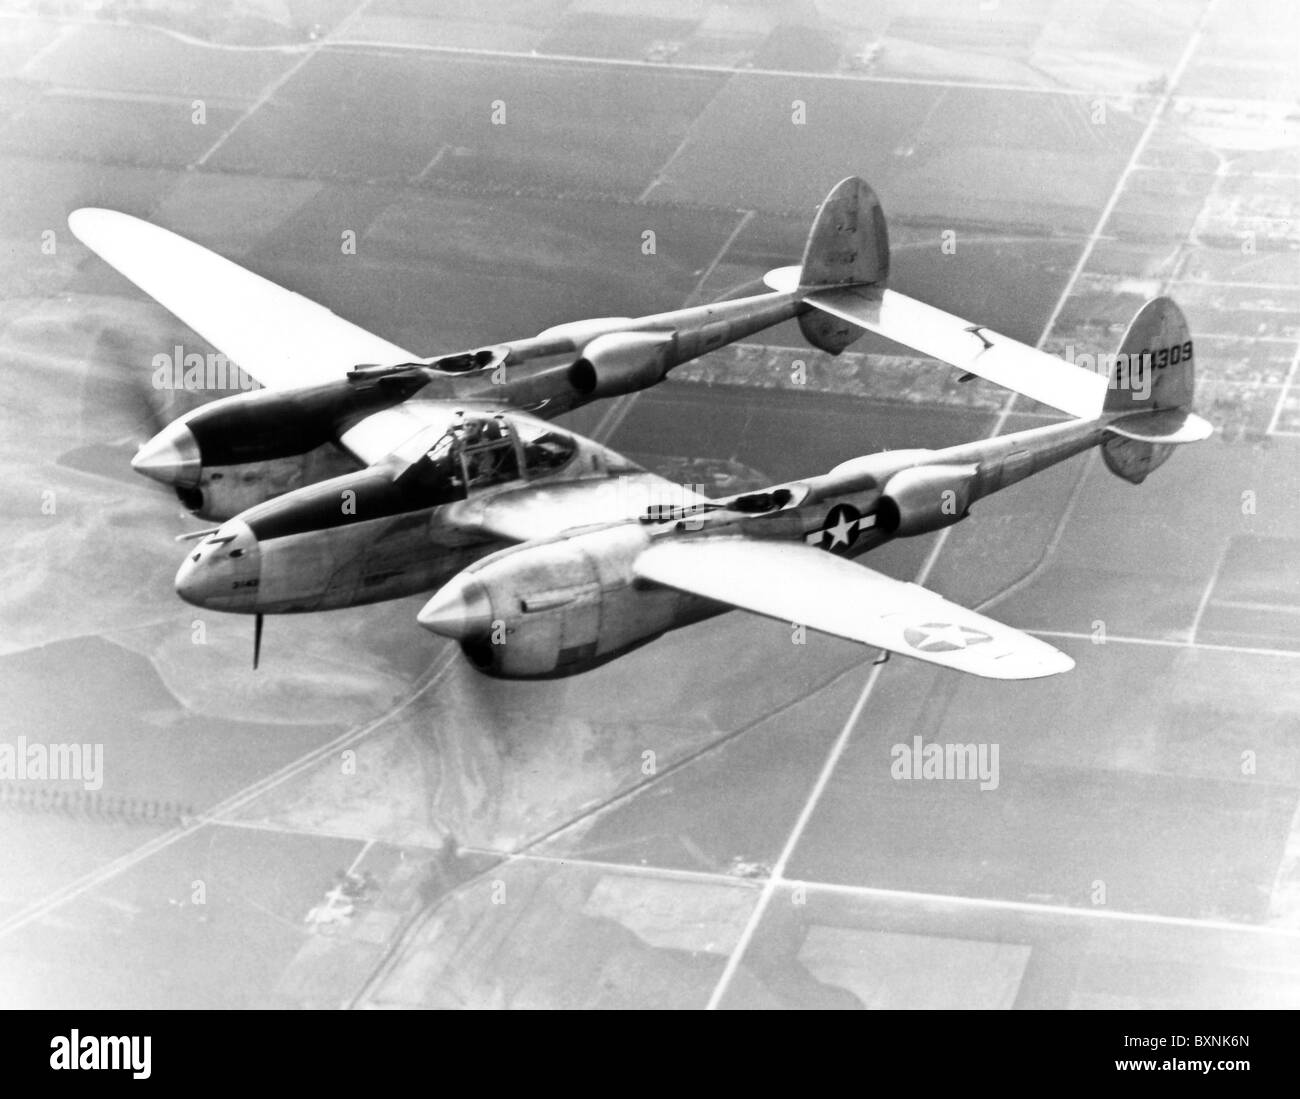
(366, 820)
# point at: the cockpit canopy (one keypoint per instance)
(477, 451)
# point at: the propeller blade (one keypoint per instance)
(257, 640)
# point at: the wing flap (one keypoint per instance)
(977, 350)
(279, 337)
(798, 584)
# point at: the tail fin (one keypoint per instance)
(1152, 386)
(847, 246)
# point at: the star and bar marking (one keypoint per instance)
(943, 637)
(840, 529)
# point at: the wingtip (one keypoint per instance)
(1053, 662)
(89, 213)
(87, 220)
(1059, 665)
(79, 218)
(1042, 662)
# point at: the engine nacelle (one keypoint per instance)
(192, 453)
(552, 609)
(277, 423)
(622, 362)
(223, 492)
(925, 498)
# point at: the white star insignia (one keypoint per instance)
(952, 636)
(942, 637)
(840, 531)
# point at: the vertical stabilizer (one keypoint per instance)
(847, 246)
(1154, 373)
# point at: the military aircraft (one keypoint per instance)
(548, 553)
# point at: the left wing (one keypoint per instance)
(285, 340)
(798, 584)
(275, 335)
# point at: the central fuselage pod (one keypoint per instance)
(408, 524)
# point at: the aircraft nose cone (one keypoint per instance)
(223, 572)
(192, 581)
(171, 456)
(460, 610)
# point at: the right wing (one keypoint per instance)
(275, 335)
(795, 583)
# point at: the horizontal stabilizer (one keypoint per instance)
(1168, 425)
(971, 348)
(796, 583)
